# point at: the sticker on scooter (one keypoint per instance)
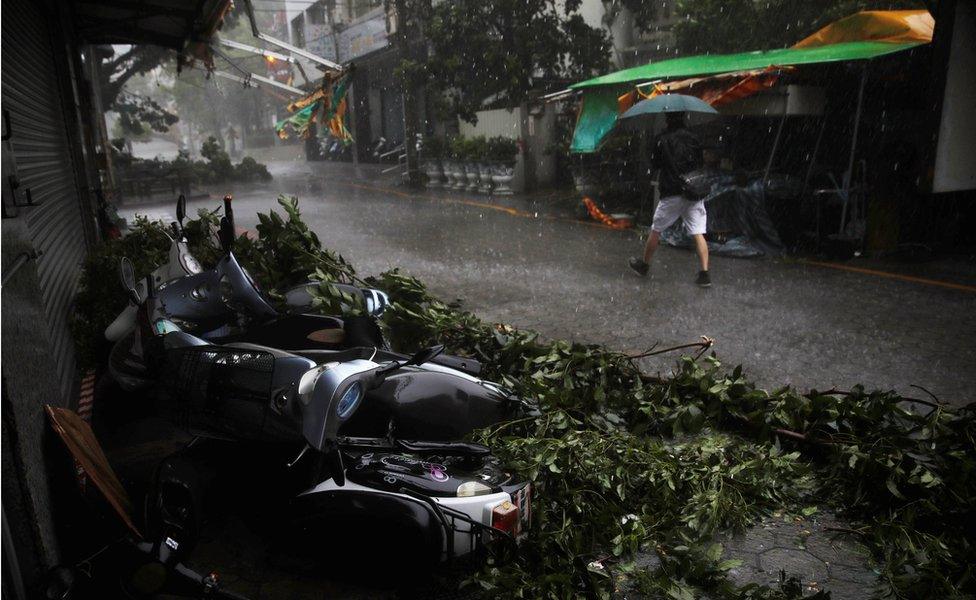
(437, 473)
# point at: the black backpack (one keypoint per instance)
(683, 161)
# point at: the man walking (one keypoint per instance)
(677, 152)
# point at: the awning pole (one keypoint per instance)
(772, 153)
(813, 157)
(252, 77)
(813, 162)
(850, 160)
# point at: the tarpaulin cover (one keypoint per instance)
(598, 114)
(738, 213)
(299, 121)
(325, 105)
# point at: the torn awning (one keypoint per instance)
(890, 26)
(597, 116)
(722, 89)
(710, 64)
(862, 36)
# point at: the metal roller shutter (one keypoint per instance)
(32, 98)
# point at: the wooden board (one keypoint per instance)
(81, 443)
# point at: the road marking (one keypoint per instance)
(515, 212)
(897, 276)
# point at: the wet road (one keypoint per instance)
(786, 322)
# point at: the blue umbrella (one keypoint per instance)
(668, 103)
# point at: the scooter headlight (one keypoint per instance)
(350, 400)
(330, 394)
(472, 488)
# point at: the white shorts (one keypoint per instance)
(671, 208)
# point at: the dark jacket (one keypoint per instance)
(676, 152)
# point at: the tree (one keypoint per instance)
(497, 51)
(137, 113)
(724, 26)
(644, 13)
(119, 64)
(141, 98)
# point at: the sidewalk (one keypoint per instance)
(808, 549)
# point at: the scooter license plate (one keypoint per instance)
(523, 500)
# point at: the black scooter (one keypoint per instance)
(442, 399)
(427, 501)
(379, 430)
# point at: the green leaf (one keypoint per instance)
(728, 564)
(890, 483)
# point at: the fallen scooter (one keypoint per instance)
(441, 399)
(212, 320)
(181, 263)
(449, 498)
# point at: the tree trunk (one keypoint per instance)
(405, 35)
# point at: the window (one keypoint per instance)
(316, 14)
(358, 8)
(298, 31)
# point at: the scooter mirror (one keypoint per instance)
(226, 234)
(128, 277)
(425, 355)
(181, 210)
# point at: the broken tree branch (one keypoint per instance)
(836, 392)
(705, 343)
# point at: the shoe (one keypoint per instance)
(703, 279)
(639, 266)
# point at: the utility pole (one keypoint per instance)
(406, 43)
(351, 90)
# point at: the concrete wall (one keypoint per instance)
(491, 123)
(540, 126)
(29, 381)
(534, 126)
(500, 122)
(31, 376)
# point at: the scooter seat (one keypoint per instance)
(451, 448)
